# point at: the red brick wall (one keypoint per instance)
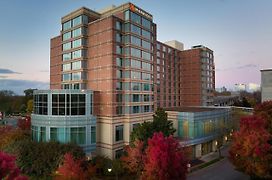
(55, 62)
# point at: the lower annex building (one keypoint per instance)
(108, 73)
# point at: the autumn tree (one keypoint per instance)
(164, 159)
(250, 151)
(133, 158)
(29, 107)
(10, 135)
(24, 123)
(71, 168)
(264, 110)
(8, 168)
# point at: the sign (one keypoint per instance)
(133, 8)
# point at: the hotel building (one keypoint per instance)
(114, 55)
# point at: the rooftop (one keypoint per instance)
(191, 109)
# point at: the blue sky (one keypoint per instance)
(238, 31)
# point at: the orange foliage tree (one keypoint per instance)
(250, 151)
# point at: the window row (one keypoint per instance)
(76, 76)
(133, 64)
(83, 19)
(133, 75)
(75, 33)
(126, 39)
(131, 28)
(138, 19)
(134, 86)
(74, 55)
(74, 44)
(40, 104)
(134, 52)
(74, 86)
(64, 135)
(133, 109)
(133, 97)
(74, 66)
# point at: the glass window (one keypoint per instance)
(135, 29)
(118, 25)
(146, 97)
(146, 45)
(119, 62)
(76, 76)
(119, 153)
(146, 23)
(119, 86)
(42, 134)
(135, 98)
(118, 37)
(77, 54)
(78, 135)
(146, 55)
(146, 66)
(135, 75)
(93, 134)
(77, 21)
(126, 86)
(136, 52)
(146, 76)
(119, 130)
(126, 27)
(66, 56)
(146, 108)
(85, 19)
(66, 46)
(66, 25)
(146, 87)
(136, 86)
(135, 109)
(66, 36)
(118, 50)
(135, 18)
(146, 34)
(126, 51)
(118, 73)
(135, 41)
(66, 67)
(126, 15)
(66, 77)
(77, 43)
(76, 65)
(126, 74)
(77, 32)
(135, 64)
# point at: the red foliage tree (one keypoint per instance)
(24, 123)
(250, 151)
(8, 168)
(133, 160)
(165, 159)
(264, 110)
(71, 168)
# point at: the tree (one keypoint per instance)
(250, 151)
(10, 135)
(264, 110)
(8, 168)
(133, 159)
(29, 107)
(24, 123)
(164, 159)
(160, 123)
(71, 168)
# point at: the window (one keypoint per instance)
(146, 76)
(76, 65)
(146, 55)
(40, 104)
(66, 67)
(119, 153)
(78, 104)
(76, 76)
(118, 37)
(135, 41)
(118, 73)
(66, 46)
(77, 54)
(119, 132)
(146, 98)
(135, 29)
(135, 18)
(118, 25)
(118, 50)
(146, 45)
(66, 56)
(119, 86)
(93, 134)
(146, 108)
(125, 39)
(66, 36)
(135, 64)
(77, 43)
(135, 98)
(66, 25)
(135, 75)
(77, 21)
(146, 66)
(66, 77)
(78, 135)
(146, 87)
(146, 23)
(136, 52)
(119, 62)
(77, 32)
(146, 34)
(135, 109)
(136, 86)
(126, 15)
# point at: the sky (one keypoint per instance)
(238, 31)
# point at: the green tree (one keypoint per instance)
(29, 108)
(160, 123)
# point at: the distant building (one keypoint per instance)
(222, 89)
(240, 87)
(266, 84)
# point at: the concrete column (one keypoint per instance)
(198, 149)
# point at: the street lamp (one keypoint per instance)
(109, 170)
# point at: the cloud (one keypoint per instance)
(18, 86)
(3, 77)
(44, 71)
(238, 67)
(8, 71)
